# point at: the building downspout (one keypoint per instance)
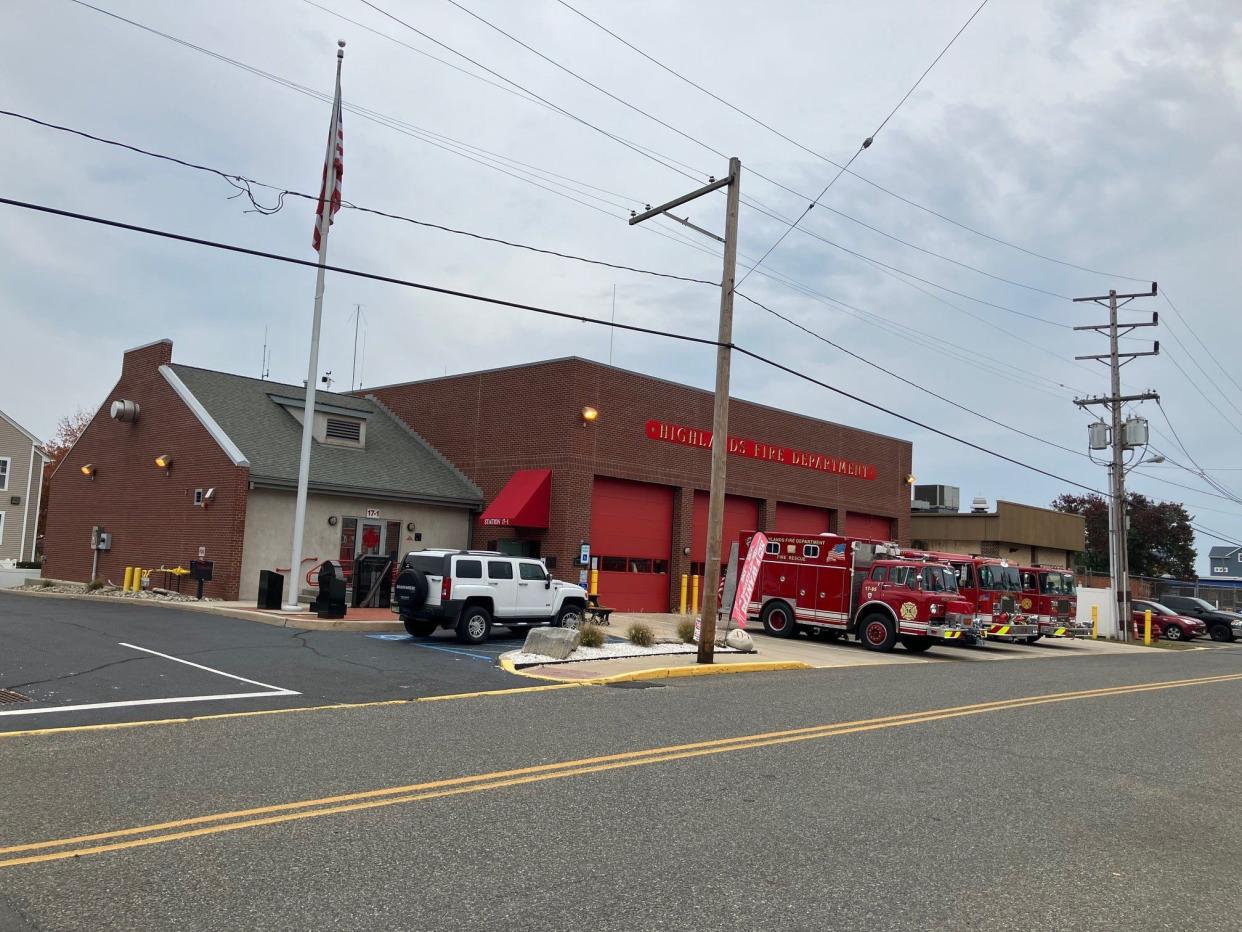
(21, 549)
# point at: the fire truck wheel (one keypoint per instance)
(778, 620)
(916, 644)
(877, 632)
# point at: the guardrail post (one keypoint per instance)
(1147, 627)
(684, 582)
(129, 578)
(694, 593)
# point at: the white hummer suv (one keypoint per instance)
(467, 589)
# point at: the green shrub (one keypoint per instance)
(94, 585)
(591, 635)
(46, 583)
(685, 630)
(30, 564)
(640, 635)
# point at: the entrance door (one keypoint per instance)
(371, 538)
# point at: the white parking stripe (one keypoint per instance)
(272, 691)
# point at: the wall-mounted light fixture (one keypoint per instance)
(910, 479)
(410, 526)
(685, 551)
(331, 520)
(589, 415)
(89, 471)
(164, 461)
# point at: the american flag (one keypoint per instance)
(335, 131)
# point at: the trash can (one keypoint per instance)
(372, 581)
(331, 600)
(271, 589)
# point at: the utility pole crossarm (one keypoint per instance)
(1145, 396)
(1154, 351)
(678, 201)
(1113, 294)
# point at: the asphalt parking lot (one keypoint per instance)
(74, 662)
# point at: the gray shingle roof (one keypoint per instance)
(395, 463)
(1222, 551)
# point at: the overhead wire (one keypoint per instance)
(809, 151)
(515, 305)
(865, 144)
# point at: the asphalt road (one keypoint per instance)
(1111, 809)
(63, 654)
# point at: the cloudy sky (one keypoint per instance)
(1103, 135)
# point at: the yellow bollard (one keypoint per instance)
(1095, 621)
(694, 593)
(1147, 627)
(129, 578)
(684, 582)
(594, 582)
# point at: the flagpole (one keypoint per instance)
(312, 372)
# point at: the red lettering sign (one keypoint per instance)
(754, 449)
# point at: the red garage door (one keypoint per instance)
(872, 527)
(740, 514)
(632, 535)
(800, 519)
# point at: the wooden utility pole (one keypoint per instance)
(1118, 523)
(720, 410)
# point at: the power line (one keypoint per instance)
(549, 312)
(752, 170)
(1185, 323)
(812, 152)
(903, 379)
(866, 143)
(236, 179)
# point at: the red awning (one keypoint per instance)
(523, 502)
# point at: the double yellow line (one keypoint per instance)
(159, 833)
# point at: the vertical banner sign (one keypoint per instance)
(746, 580)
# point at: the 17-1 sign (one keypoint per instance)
(373, 513)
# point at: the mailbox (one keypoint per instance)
(200, 571)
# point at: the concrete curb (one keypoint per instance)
(209, 608)
(660, 673)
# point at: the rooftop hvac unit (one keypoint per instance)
(939, 498)
(979, 505)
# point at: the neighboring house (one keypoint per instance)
(1226, 562)
(228, 447)
(21, 469)
(1023, 534)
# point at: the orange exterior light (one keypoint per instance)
(89, 471)
(910, 479)
(164, 461)
(589, 415)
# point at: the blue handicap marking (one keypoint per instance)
(391, 637)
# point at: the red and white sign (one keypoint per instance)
(758, 450)
(746, 578)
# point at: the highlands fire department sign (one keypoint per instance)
(758, 450)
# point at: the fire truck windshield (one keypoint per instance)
(998, 578)
(1056, 583)
(939, 579)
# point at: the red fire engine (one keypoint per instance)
(1050, 595)
(844, 585)
(994, 588)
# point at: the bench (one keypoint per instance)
(595, 613)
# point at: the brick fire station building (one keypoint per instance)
(571, 452)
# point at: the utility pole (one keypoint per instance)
(720, 411)
(1120, 438)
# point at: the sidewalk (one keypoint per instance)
(797, 653)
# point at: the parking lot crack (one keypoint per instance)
(300, 637)
(69, 676)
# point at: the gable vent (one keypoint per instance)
(341, 429)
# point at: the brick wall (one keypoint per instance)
(151, 516)
(491, 424)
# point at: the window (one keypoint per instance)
(532, 571)
(498, 569)
(773, 548)
(810, 550)
(1, 527)
(965, 575)
(634, 565)
(431, 566)
(343, 429)
(612, 564)
(469, 569)
(879, 573)
(4, 473)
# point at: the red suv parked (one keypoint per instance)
(1166, 623)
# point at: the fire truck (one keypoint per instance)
(1050, 596)
(993, 587)
(844, 585)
